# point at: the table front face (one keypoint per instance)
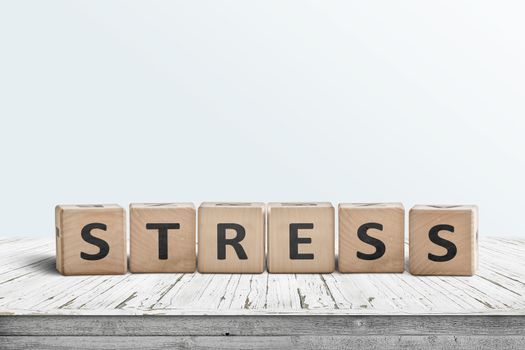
(29, 284)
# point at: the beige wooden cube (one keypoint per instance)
(443, 240)
(231, 237)
(371, 237)
(162, 237)
(90, 239)
(301, 238)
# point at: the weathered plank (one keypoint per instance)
(260, 325)
(30, 285)
(267, 342)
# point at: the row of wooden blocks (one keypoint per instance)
(91, 239)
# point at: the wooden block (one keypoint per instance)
(443, 240)
(301, 238)
(231, 237)
(162, 237)
(371, 237)
(91, 239)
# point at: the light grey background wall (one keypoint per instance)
(122, 101)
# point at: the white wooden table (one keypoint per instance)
(40, 308)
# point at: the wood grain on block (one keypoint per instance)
(371, 237)
(443, 240)
(90, 239)
(301, 238)
(162, 237)
(231, 237)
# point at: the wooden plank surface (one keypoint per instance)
(262, 325)
(29, 285)
(268, 342)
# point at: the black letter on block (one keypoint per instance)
(433, 234)
(295, 241)
(234, 242)
(100, 243)
(378, 244)
(163, 237)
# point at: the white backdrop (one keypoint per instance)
(122, 101)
